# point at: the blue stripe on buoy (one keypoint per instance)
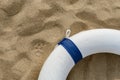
(72, 49)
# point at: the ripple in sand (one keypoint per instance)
(6, 70)
(1, 74)
(92, 18)
(2, 33)
(78, 26)
(12, 7)
(23, 55)
(1, 52)
(113, 22)
(72, 1)
(30, 29)
(52, 24)
(3, 15)
(21, 67)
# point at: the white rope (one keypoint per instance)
(68, 32)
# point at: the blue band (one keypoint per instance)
(71, 49)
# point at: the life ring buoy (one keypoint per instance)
(73, 49)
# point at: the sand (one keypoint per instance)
(30, 29)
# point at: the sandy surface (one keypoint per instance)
(29, 30)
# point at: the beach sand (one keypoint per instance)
(30, 29)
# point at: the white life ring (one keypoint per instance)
(73, 49)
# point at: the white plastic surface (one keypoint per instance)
(97, 40)
(57, 66)
(59, 63)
